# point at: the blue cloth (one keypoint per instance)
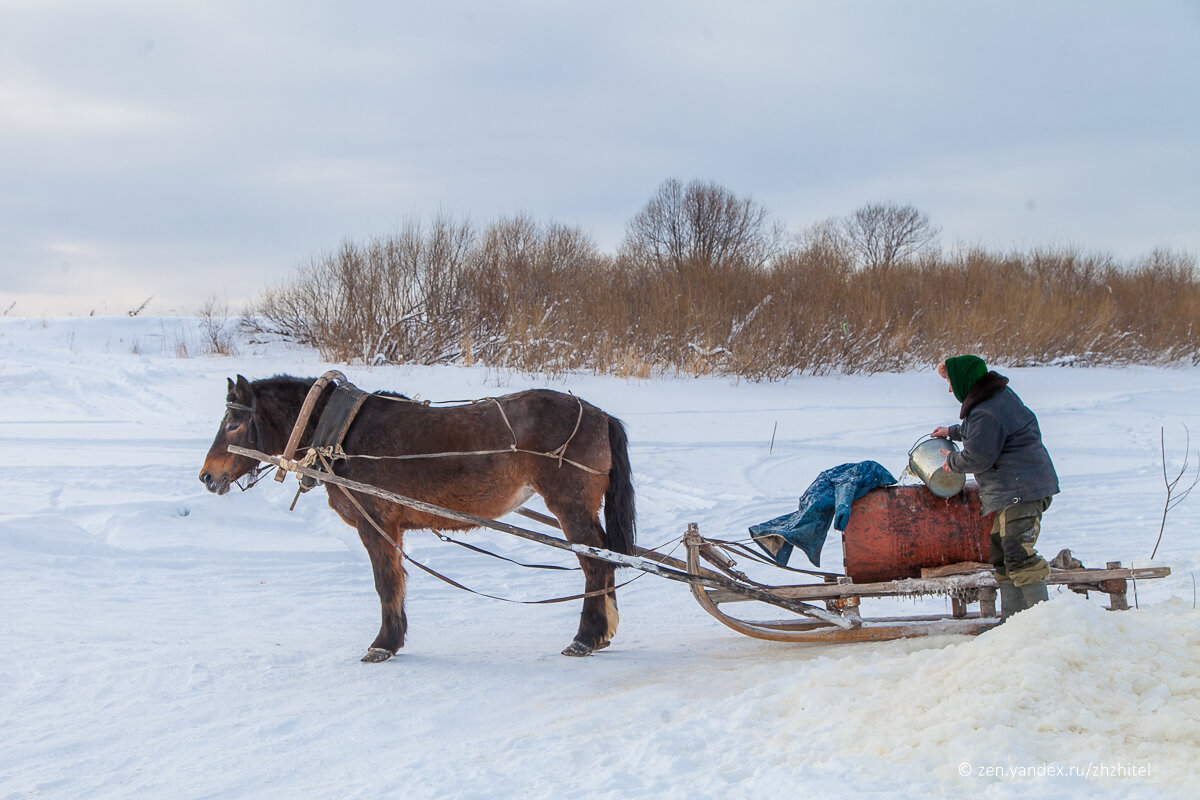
(827, 500)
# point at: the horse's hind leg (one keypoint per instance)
(390, 578)
(598, 622)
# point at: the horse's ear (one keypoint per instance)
(240, 392)
(229, 391)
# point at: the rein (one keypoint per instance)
(406, 557)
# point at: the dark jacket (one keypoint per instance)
(1002, 446)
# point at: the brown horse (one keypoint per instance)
(594, 466)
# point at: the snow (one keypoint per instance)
(156, 640)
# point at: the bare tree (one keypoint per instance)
(701, 224)
(882, 234)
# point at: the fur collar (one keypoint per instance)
(984, 389)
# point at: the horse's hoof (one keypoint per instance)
(376, 654)
(577, 650)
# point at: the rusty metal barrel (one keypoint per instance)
(895, 531)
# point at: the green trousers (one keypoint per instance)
(1014, 537)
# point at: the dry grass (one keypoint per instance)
(542, 298)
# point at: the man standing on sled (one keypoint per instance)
(1002, 448)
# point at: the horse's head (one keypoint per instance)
(239, 427)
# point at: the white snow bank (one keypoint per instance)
(157, 641)
(1065, 685)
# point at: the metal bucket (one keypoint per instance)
(926, 463)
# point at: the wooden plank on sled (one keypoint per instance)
(1068, 576)
(906, 586)
(961, 568)
(949, 584)
(620, 559)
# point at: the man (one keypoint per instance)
(1002, 447)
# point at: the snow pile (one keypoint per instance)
(1067, 684)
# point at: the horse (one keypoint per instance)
(484, 458)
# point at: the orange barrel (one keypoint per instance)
(894, 531)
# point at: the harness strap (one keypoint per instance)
(561, 451)
(411, 456)
(448, 540)
(507, 424)
(756, 556)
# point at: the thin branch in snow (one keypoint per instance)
(1173, 498)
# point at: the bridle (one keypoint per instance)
(258, 471)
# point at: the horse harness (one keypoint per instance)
(335, 421)
(345, 403)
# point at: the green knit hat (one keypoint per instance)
(964, 372)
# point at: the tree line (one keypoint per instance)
(708, 282)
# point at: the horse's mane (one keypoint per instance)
(282, 381)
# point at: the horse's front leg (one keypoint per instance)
(390, 581)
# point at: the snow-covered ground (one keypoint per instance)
(159, 641)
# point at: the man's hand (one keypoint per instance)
(941, 433)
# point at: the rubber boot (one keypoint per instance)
(1012, 600)
(1033, 594)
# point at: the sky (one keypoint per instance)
(188, 152)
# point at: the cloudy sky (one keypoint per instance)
(183, 150)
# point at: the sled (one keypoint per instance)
(902, 542)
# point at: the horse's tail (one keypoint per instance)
(619, 513)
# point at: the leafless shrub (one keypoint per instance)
(216, 327)
(883, 234)
(394, 299)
